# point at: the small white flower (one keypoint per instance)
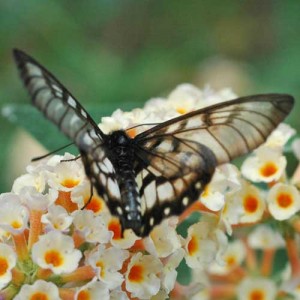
(253, 203)
(8, 260)
(280, 136)
(163, 240)
(184, 98)
(233, 257)
(119, 239)
(283, 201)
(35, 200)
(67, 175)
(169, 273)
(142, 276)
(39, 290)
(55, 251)
(13, 215)
(107, 262)
(256, 288)
(93, 228)
(267, 165)
(57, 218)
(263, 237)
(210, 96)
(93, 290)
(204, 243)
(226, 178)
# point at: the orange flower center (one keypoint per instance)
(131, 132)
(193, 245)
(231, 261)
(96, 204)
(250, 203)
(257, 295)
(136, 273)
(3, 265)
(284, 200)
(83, 295)
(268, 169)
(70, 182)
(53, 257)
(39, 296)
(115, 226)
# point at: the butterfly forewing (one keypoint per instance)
(229, 129)
(162, 170)
(54, 100)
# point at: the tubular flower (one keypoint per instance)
(39, 290)
(56, 252)
(257, 288)
(267, 165)
(142, 276)
(283, 201)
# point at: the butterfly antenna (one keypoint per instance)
(50, 153)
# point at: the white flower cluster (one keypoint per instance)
(184, 99)
(52, 249)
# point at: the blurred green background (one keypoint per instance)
(119, 53)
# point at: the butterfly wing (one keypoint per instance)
(56, 102)
(178, 157)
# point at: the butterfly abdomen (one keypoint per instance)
(121, 153)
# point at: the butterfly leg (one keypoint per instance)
(90, 198)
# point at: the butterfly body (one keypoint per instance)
(164, 169)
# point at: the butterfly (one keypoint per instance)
(164, 169)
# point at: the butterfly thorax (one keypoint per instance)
(120, 151)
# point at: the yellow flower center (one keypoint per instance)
(136, 273)
(3, 265)
(284, 200)
(100, 264)
(54, 257)
(181, 110)
(268, 169)
(16, 224)
(70, 182)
